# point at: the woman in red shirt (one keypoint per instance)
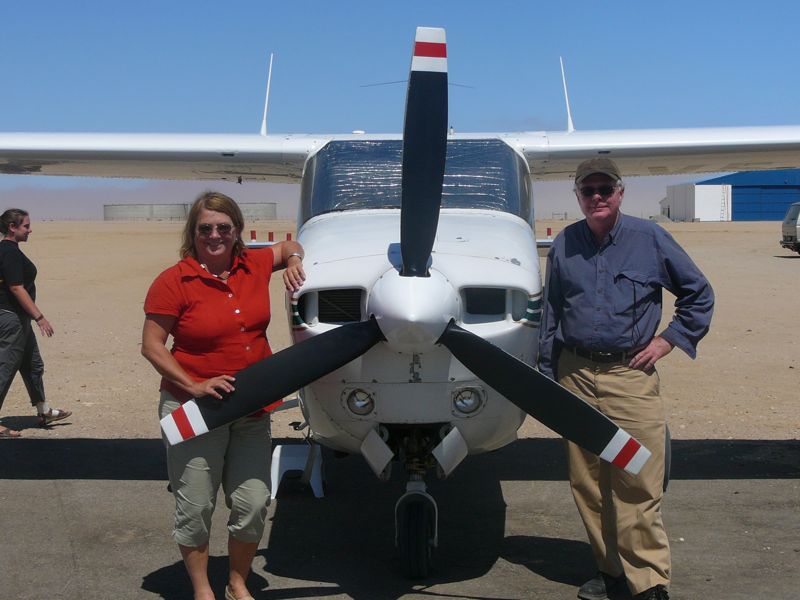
(215, 304)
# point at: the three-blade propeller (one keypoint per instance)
(424, 151)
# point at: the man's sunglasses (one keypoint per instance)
(205, 229)
(604, 190)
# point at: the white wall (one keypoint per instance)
(680, 200)
(259, 211)
(712, 202)
(251, 211)
(690, 202)
(144, 212)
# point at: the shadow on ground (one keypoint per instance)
(30, 422)
(172, 582)
(346, 540)
(538, 459)
(343, 544)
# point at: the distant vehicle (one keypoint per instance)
(791, 228)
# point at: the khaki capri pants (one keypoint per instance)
(236, 456)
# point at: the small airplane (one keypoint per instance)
(416, 330)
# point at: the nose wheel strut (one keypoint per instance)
(416, 529)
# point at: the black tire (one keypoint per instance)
(414, 540)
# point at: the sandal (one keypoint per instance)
(53, 415)
(9, 433)
(229, 595)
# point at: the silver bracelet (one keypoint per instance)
(297, 254)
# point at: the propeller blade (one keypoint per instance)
(266, 382)
(545, 400)
(424, 150)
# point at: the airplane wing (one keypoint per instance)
(648, 152)
(275, 158)
(281, 158)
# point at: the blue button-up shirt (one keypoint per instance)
(607, 297)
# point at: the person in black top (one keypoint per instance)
(18, 348)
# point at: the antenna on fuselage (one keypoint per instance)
(266, 99)
(570, 126)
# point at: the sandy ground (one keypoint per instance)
(93, 277)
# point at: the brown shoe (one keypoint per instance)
(53, 415)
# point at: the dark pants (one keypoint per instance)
(20, 352)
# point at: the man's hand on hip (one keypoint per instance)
(645, 359)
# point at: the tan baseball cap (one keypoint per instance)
(605, 166)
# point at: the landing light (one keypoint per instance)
(360, 402)
(468, 400)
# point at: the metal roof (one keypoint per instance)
(777, 177)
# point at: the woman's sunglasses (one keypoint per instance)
(604, 190)
(205, 229)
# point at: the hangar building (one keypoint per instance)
(747, 196)
(251, 211)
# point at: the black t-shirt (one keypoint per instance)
(15, 269)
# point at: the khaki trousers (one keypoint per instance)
(237, 456)
(621, 512)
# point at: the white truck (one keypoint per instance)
(791, 228)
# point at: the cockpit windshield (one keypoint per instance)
(352, 175)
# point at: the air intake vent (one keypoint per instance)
(485, 301)
(340, 306)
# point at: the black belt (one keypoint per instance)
(602, 357)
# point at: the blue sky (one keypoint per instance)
(200, 66)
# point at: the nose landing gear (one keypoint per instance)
(416, 529)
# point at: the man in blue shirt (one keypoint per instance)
(599, 339)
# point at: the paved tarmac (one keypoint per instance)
(90, 519)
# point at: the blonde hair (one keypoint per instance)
(217, 202)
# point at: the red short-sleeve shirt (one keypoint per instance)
(220, 325)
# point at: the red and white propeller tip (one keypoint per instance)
(184, 423)
(625, 452)
(430, 50)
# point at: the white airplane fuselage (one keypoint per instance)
(411, 381)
